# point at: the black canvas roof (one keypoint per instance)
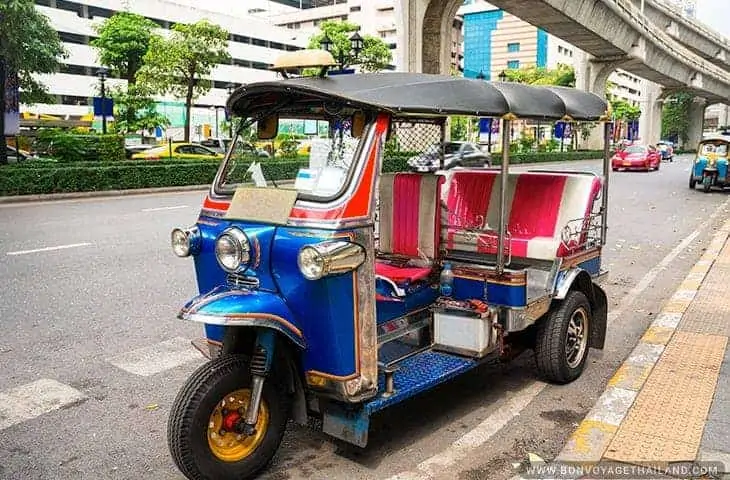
(418, 93)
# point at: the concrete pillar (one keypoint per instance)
(696, 116)
(591, 75)
(650, 122)
(425, 39)
(411, 13)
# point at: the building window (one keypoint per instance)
(240, 38)
(73, 100)
(514, 47)
(72, 38)
(355, 9)
(259, 42)
(43, 3)
(99, 12)
(72, 69)
(513, 64)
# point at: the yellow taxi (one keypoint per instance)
(177, 150)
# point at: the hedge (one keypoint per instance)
(68, 147)
(60, 177)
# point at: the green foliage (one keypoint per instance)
(68, 147)
(623, 110)
(563, 75)
(135, 110)
(123, 42)
(459, 128)
(675, 116)
(181, 64)
(288, 145)
(375, 55)
(526, 141)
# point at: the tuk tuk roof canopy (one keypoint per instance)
(423, 94)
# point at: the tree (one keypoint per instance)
(623, 110)
(182, 63)
(136, 110)
(675, 116)
(375, 55)
(123, 41)
(28, 45)
(563, 75)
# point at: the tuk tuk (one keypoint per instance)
(307, 314)
(710, 165)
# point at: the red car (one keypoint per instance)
(637, 157)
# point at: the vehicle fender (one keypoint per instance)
(244, 308)
(579, 279)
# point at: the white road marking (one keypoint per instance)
(476, 437)
(157, 358)
(34, 399)
(158, 209)
(50, 249)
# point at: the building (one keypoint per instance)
(375, 17)
(253, 45)
(495, 40)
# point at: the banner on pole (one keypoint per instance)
(12, 104)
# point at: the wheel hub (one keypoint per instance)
(226, 437)
(577, 340)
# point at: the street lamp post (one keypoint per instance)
(357, 43)
(229, 89)
(102, 73)
(481, 76)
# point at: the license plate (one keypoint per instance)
(627, 164)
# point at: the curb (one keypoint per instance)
(589, 441)
(104, 193)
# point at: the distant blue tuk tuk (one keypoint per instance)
(307, 313)
(710, 164)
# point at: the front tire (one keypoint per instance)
(706, 184)
(692, 181)
(561, 346)
(196, 431)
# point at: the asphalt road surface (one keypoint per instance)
(91, 355)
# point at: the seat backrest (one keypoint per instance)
(538, 204)
(410, 214)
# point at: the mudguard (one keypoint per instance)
(244, 308)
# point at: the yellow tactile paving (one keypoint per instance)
(636, 447)
(657, 335)
(676, 306)
(630, 376)
(666, 421)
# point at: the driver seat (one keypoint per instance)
(410, 217)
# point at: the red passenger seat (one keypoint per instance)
(538, 207)
(410, 216)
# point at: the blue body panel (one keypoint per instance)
(324, 310)
(468, 289)
(720, 165)
(506, 295)
(391, 309)
(592, 266)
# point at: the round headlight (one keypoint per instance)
(185, 241)
(232, 250)
(311, 263)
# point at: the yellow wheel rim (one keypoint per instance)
(226, 444)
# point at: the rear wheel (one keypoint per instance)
(561, 346)
(706, 183)
(692, 181)
(204, 431)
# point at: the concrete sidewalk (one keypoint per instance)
(668, 405)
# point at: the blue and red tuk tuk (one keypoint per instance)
(360, 286)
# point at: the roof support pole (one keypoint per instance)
(607, 134)
(502, 227)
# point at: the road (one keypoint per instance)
(92, 355)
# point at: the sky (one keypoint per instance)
(716, 14)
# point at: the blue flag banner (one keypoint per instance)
(104, 107)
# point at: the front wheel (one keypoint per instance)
(561, 346)
(692, 181)
(706, 183)
(203, 431)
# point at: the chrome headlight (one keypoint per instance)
(185, 241)
(328, 258)
(233, 250)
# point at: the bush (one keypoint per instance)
(69, 147)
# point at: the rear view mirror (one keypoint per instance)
(267, 127)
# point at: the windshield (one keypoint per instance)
(312, 156)
(635, 149)
(717, 149)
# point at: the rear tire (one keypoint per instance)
(188, 434)
(706, 184)
(562, 343)
(692, 181)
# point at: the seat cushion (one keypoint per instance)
(401, 275)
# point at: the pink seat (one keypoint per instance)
(538, 205)
(410, 216)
